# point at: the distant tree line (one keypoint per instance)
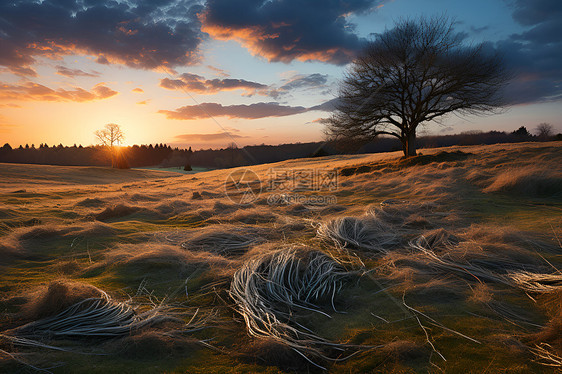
(136, 156)
(232, 156)
(258, 154)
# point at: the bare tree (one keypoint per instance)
(544, 130)
(111, 136)
(414, 73)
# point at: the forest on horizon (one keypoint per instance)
(162, 155)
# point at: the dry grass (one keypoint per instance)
(528, 181)
(57, 296)
(172, 207)
(222, 242)
(66, 311)
(8, 251)
(363, 233)
(272, 289)
(222, 239)
(152, 344)
(545, 355)
(471, 236)
(537, 282)
(546, 344)
(91, 202)
(92, 317)
(472, 265)
(252, 216)
(116, 211)
(175, 261)
(72, 311)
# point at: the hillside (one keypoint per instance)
(18, 176)
(448, 261)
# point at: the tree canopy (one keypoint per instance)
(414, 73)
(111, 136)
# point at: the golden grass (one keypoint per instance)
(529, 181)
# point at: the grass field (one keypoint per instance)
(449, 261)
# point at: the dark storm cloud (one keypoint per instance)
(542, 33)
(286, 30)
(137, 33)
(252, 111)
(197, 83)
(532, 12)
(534, 55)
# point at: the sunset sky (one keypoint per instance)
(207, 73)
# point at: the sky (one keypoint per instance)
(214, 72)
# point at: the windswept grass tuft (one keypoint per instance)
(91, 202)
(228, 242)
(537, 282)
(92, 317)
(117, 211)
(439, 238)
(528, 181)
(367, 233)
(50, 300)
(271, 291)
(8, 251)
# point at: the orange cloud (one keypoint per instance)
(138, 90)
(219, 72)
(29, 91)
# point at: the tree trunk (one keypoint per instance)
(112, 152)
(410, 145)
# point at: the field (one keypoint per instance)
(449, 261)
